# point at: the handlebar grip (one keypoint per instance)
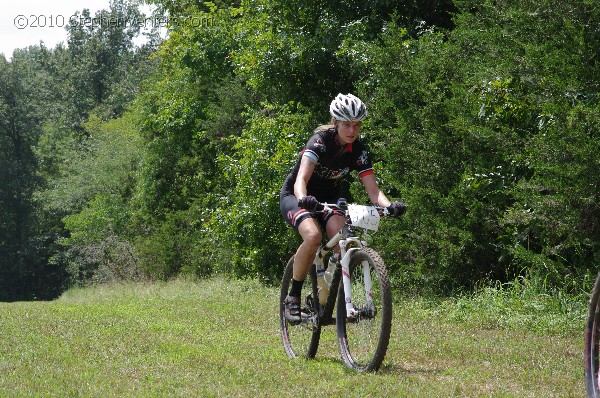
(310, 203)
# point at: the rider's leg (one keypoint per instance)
(308, 228)
(311, 235)
(334, 224)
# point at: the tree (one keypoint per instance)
(248, 222)
(46, 97)
(472, 121)
(309, 51)
(95, 195)
(23, 85)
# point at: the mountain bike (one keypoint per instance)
(359, 283)
(592, 336)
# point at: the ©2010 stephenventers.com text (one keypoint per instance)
(60, 21)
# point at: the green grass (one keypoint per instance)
(221, 338)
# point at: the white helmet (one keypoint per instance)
(348, 107)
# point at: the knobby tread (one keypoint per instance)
(385, 312)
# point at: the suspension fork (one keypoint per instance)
(351, 312)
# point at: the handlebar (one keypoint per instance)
(342, 205)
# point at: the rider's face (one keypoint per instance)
(348, 131)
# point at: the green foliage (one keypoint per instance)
(474, 120)
(24, 234)
(175, 246)
(176, 148)
(249, 220)
(191, 101)
(308, 51)
(94, 191)
(554, 221)
(102, 163)
(125, 162)
(47, 95)
(104, 71)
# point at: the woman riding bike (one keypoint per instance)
(330, 154)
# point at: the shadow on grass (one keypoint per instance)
(385, 369)
(412, 370)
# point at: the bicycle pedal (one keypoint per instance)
(309, 301)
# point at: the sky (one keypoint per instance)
(27, 22)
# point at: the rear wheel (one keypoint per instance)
(590, 353)
(301, 340)
(363, 340)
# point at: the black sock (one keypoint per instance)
(296, 289)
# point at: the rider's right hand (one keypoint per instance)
(309, 203)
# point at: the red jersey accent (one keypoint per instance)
(366, 173)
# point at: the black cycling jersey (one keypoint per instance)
(334, 161)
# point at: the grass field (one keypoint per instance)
(220, 338)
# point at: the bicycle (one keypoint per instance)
(364, 299)
(592, 336)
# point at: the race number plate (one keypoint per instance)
(364, 216)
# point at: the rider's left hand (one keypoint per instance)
(396, 209)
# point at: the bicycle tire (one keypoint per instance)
(301, 340)
(363, 341)
(592, 335)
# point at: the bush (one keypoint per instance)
(249, 220)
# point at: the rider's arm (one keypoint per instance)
(375, 194)
(307, 166)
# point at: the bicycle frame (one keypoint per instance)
(349, 244)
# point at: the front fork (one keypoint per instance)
(352, 312)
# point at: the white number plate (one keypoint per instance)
(364, 216)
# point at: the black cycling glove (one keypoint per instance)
(397, 209)
(309, 203)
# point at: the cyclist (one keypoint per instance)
(330, 154)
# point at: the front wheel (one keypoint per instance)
(363, 340)
(590, 353)
(301, 340)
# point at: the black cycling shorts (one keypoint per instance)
(294, 215)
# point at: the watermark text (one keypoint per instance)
(109, 21)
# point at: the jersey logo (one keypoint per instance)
(320, 145)
(363, 158)
(332, 174)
